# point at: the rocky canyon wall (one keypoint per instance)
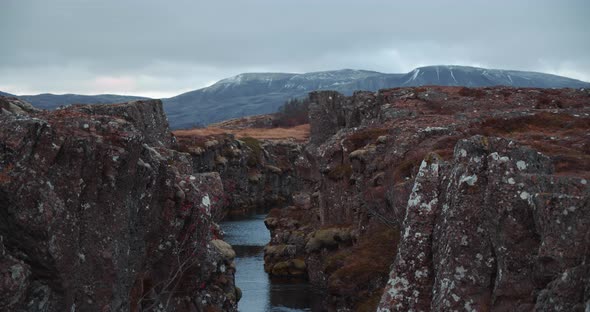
(484, 191)
(257, 175)
(99, 213)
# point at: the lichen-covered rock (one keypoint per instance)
(364, 161)
(257, 175)
(494, 229)
(12, 105)
(224, 248)
(14, 279)
(147, 116)
(410, 287)
(97, 214)
(327, 238)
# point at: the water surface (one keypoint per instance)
(259, 292)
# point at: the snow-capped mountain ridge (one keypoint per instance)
(260, 93)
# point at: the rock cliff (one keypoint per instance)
(98, 213)
(492, 229)
(256, 174)
(442, 198)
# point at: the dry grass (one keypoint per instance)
(298, 133)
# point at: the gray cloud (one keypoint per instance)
(165, 47)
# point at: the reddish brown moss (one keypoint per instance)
(560, 136)
(408, 167)
(340, 172)
(472, 92)
(365, 136)
(4, 174)
(361, 270)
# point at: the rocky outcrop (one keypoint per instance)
(12, 105)
(98, 214)
(417, 167)
(493, 229)
(257, 175)
(146, 115)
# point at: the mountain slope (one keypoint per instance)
(261, 93)
(52, 101)
(482, 77)
(5, 94)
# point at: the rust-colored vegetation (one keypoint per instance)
(340, 172)
(408, 167)
(472, 92)
(365, 136)
(563, 137)
(445, 146)
(356, 271)
(4, 174)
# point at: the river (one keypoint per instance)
(259, 292)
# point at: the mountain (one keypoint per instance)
(261, 93)
(5, 94)
(483, 77)
(52, 101)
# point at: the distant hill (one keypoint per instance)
(262, 93)
(5, 94)
(52, 101)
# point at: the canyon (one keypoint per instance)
(419, 198)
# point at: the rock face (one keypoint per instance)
(97, 213)
(484, 191)
(147, 116)
(493, 229)
(257, 175)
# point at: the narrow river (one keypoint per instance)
(259, 292)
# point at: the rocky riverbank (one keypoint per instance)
(437, 198)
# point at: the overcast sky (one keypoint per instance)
(162, 48)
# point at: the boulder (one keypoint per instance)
(224, 248)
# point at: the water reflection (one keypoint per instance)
(259, 292)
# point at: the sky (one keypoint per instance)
(160, 48)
